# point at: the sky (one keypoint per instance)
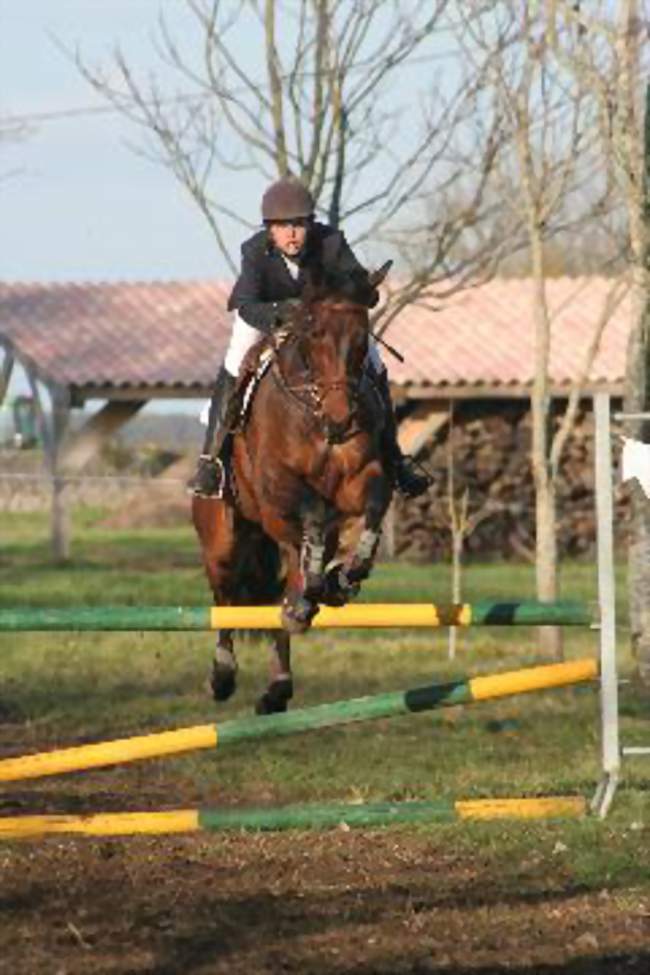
(76, 202)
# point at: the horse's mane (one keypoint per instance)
(352, 286)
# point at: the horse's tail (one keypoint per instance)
(261, 573)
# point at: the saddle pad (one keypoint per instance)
(251, 378)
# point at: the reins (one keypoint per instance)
(310, 396)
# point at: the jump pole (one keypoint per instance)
(610, 743)
(366, 615)
(369, 708)
(292, 817)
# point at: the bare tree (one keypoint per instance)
(461, 524)
(542, 181)
(12, 130)
(602, 47)
(331, 97)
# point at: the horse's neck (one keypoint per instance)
(291, 363)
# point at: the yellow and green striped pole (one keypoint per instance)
(365, 615)
(292, 817)
(388, 705)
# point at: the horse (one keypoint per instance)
(306, 474)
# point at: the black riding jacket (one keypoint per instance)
(265, 280)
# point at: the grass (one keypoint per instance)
(63, 688)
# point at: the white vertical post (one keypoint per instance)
(607, 601)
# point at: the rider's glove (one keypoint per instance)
(285, 310)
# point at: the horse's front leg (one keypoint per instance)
(318, 518)
(223, 679)
(302, 542)
(344, 579)
(298, 607)
(280, 689)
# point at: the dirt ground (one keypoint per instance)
(343, 901)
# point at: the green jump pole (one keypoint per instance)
(292, 817)
(366, 615)
(370, 708)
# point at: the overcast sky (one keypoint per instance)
(75, 202)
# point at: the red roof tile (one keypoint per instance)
(151, 334)
(174, 334)
(486, 335)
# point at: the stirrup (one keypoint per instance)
(210, 478)
(410, 482)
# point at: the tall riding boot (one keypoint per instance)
(409, 481)
(209, 478)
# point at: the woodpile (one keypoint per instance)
(490, 445)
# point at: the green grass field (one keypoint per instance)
(66, 688)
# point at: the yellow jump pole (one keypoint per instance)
(292, 817)
(428, 698)
(366, 615)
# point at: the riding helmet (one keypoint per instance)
(287, 199)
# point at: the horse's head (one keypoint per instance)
(332, 331)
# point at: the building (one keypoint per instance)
(119, 346)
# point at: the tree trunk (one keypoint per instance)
(638, 400)
(550, 637)
(456, 588)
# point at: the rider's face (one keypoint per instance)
(289, 235)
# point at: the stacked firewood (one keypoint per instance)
(489, 446)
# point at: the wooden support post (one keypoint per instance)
(60, 506)
(5, 374)
(52, 432)
(81, 446)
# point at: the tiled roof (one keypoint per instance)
(136, 334)
(174, 334)
(486, 335)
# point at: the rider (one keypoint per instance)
(274, 262)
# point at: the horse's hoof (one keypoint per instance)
(297, 614)
(223, 681)
(275, 698)
(314, 587)
(339, 590)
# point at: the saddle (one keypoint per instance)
(257, 362)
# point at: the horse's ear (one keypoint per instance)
(375, 278)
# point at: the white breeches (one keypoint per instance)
(244, 337)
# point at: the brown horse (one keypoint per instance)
(306, 466)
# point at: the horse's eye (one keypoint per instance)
(317, 333)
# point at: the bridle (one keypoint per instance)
(310, 395)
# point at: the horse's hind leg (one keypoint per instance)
(215, 526)
(280, 689)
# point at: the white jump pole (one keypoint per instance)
(611, 751)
